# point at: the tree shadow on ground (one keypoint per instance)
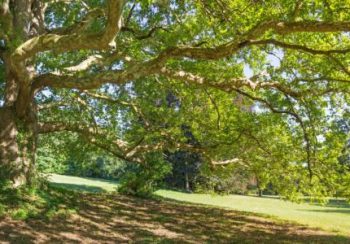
(113, 218)
(79, 188)
(334, 203)
(342, 211)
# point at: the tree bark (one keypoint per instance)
(10, 161)
(18, 136)
(187, 181)
(18, 121)
(17, 148)
(260, 192)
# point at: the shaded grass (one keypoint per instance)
(79, 215)
(335, 203)
(113, 218)
(83, 183)
(24, 203)
(335, 216)
(79, 188)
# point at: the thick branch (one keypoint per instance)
(229, 48)
(64, 43)
(133, 72)
(140, 36)
(135, 109)
(5, 18)
(84, 65)
(226, 86)
(309, 26)
(81, 25)
(91, 131)
(221, 51)
(101, 138)
(298, 47)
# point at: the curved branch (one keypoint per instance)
(96, 60)
(155, 66)
(310, 26)
(212, 100)
(277, 26)
(5, 18)
(49, 127)
(298, 47)
(64, 43)
(92, 134)
(226, 86)
(81, 25)
(135, 109)
(133, 72)
(101, 139)
(140, 36)
(121, 149)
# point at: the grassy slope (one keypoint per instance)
(325, 217)
(332, 218)
(114, 218)
(84, 184)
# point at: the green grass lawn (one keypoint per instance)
(333, 217)
(83, 184)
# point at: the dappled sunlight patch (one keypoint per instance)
(71, 236)
(115, 218)
(156, 229)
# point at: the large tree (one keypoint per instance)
(101, 68)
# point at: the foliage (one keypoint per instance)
(64, 154)
(143, 179)
(258, 83)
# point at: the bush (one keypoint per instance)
(20, 214)
(143, 179)
(2, 210)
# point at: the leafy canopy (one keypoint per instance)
(262, 85)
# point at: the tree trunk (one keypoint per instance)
(17, 131)
(260, 192)
(17, 148)
(187, 181)
(18, 122)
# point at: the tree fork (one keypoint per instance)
(18, 136)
